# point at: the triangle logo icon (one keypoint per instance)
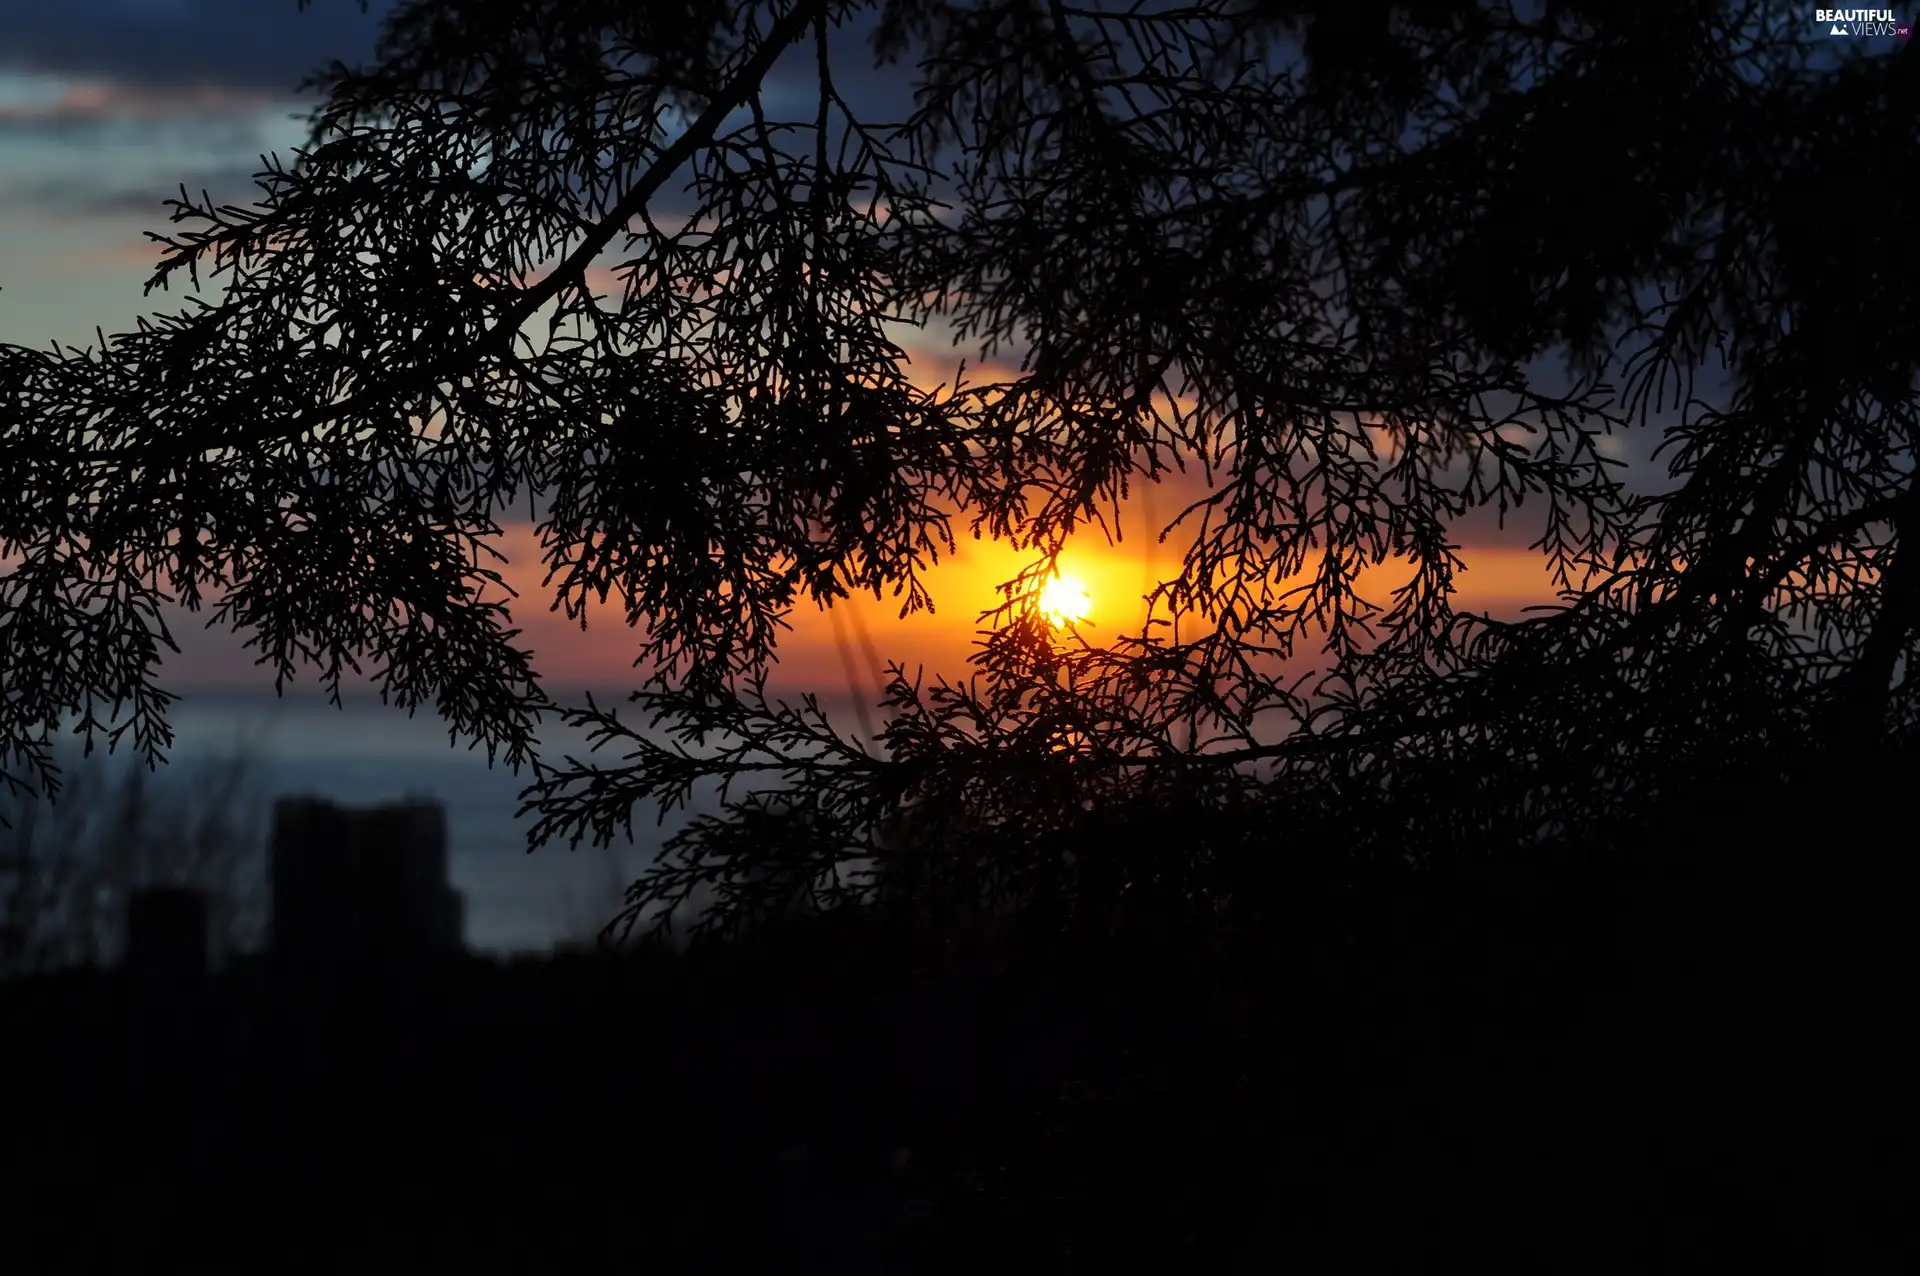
(1837, 30)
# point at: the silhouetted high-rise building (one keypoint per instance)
(353, 883)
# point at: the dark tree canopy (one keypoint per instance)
(1378, 269)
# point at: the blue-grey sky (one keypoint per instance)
(107, 106)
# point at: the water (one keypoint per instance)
(367, 753)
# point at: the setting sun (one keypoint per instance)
(1064, 601)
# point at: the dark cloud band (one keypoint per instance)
(264, 45)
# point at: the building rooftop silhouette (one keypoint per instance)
(368, 883)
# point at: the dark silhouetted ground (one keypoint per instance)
(1563, 1072)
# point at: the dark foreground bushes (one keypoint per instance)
(1595, 1068)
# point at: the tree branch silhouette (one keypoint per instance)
(1323, 261)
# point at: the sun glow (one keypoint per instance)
(1064, 601)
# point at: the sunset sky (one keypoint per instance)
(106, 106)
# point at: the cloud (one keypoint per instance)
(142, 196)
(270, 46)
(84, 110)
(262, 45)
(119, 256)
(104, 149)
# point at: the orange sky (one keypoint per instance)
(1116, 579)
(1500, 579)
